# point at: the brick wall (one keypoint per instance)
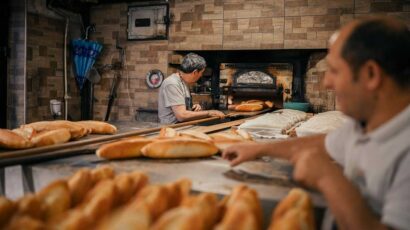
(45, 81)
(16, 66)
(226, 25)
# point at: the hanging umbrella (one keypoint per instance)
(85, 53)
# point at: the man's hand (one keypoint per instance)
(239, 153)
(216, 113)
(196, 107)
(313, 168)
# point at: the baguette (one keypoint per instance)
(12, 140)
(27, 132)
(194, 134)
(98, 127)
(7, 209)
(248, 107)
(179, 148)
(167, 132)
(294, 212)
(127, 148)
(76, 131)
(55, 199)
(51, 137)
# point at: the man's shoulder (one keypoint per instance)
(171, 80)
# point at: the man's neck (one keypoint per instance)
(388, 106)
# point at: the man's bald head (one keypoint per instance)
(381, 39)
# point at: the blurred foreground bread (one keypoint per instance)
(194, 134)
(98, 127)
(242, 210)
(12, 140)
(127, 148)
(294, 212)
(179, 148)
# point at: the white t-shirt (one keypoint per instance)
(379, 164)
(172, 92)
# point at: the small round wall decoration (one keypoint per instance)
(154, 78)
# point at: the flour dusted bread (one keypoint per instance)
(76, 131)
(12, 140)
(98, 127)
(127, 148)
(294, 212)
(249, 107)
(179, 148)
(51, 137)
(194, 134)
(167, 132)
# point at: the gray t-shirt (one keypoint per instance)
(379, 164)
(172, 92)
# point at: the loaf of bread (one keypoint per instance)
(76, 130)
(98, 127)
(12, 140)
(243, 210)
(268, 104)
(194, 134)
(249, 107)
(127, 148)
(294, 212)
(167, 132)
(26, 132)
(7, 209)
(51, 137)
(254, 101)
(179, 148)
(55, 199)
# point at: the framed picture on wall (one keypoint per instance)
(148, 22)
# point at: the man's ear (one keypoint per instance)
(372, 74)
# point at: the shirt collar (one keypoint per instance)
(387, 130)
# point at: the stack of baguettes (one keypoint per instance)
(100, 199)
(253, 105)
(45, 133)
(172, 144)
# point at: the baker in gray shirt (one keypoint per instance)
(363, 168)
(175, 101)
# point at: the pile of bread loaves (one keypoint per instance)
(100, 199)
(45, 133)
(172, 144)
(253, 105)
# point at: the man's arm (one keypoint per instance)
(281, 149)
(185, 115)
(343, 198)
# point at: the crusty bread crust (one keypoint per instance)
(294, 212)
(179, 148)
(76, 131)
(248, 107)
(167, 132)
(194, 134)
(127, 148)
(51, 137)
(12, 140)
(98, 127)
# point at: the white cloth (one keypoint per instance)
(379, 164)
(321, 123)
(276, 122)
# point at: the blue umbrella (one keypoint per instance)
(85, 53)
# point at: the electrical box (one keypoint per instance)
(148, 22)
